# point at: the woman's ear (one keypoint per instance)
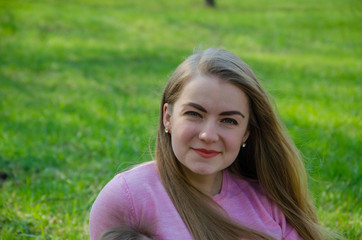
(245, 137)
(167, 116)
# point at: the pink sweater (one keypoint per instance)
(137, 198)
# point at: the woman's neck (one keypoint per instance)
(207, 184)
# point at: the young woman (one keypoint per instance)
(225, 167)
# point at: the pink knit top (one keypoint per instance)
(137, 198)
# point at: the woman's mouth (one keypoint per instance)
(205, 153)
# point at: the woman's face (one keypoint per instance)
(208, 124)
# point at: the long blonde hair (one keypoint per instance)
(270, 157)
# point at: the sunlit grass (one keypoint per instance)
(80, 85)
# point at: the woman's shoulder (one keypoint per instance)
(139, 175)
(255, 206)
(142, 171)
(123, 197)
(145, 169)
(258, 196)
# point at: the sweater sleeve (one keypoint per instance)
(113, 207)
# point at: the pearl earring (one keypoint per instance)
(166, 130)
(244, 145)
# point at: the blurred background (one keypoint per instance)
(81, 81)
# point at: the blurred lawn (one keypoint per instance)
(80, 83)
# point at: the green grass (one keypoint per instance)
(80, 83)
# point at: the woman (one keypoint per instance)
(225, 168)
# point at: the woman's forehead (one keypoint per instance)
(211, 92)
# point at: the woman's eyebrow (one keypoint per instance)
(202, 109)
(227, 113)
(197, 106)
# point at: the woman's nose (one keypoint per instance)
(209, 133)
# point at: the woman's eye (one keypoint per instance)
(230, 121)
(193, 114)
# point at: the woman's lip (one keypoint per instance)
(206, 153)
